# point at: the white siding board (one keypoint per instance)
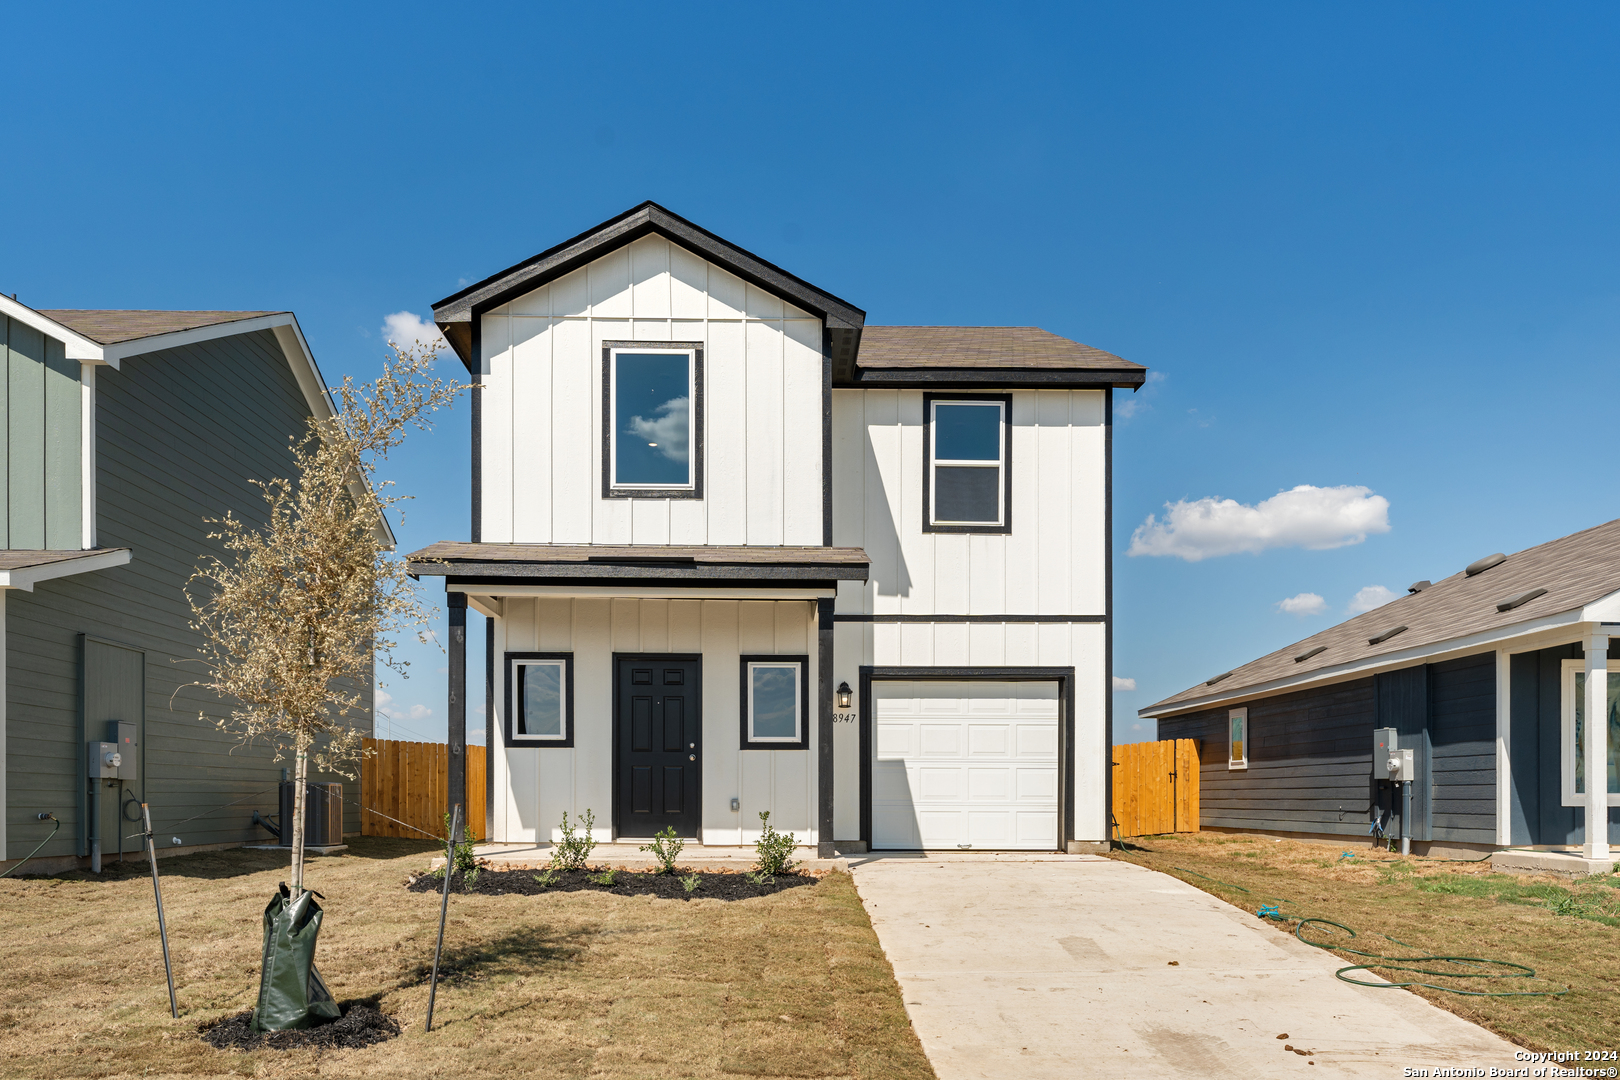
(886, 577)
(917, 590)
(531, 442)
(987, 574)
(593, 712)
(575, 476)
(535, 302)
(801, 425)
(611, 521)
(649, 278)
(987, 644)
(689, 284)
(726, 294)
(610, 285)
(849, 470)
(1052, 448)
(1023, 546)
(726, 446)
(685, 626)
(759, 304)
(722, 772)
(571, 294)
(765, 435)
(496, 442)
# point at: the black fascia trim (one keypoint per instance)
(1063, 676)
(476, 532)
(803, 741)
(695, 437)
(1108, 624)
(826, 437)
(1005, 527)
(863, 618)
(991, 378)
(625, 229)
(610, 574)
(511, 739)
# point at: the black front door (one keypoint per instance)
(658, 748)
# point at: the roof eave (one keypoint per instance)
(916, 378)
(26, 577)
(841, 318)
(1494, 637)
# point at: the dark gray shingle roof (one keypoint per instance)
(1026, 347)
(452, 558)
(1575, 570)
(110, 327)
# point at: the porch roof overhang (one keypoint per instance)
(629, 566)
(23, 569)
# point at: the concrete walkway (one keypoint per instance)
(1061, 966)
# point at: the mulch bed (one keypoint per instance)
(711, 886)
(360, 1025)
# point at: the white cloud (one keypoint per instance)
(1140, 401)
(669, 431)
(1306, 603)
(1315, 518)
(1121, 684)
(404, 329)
(1373, 596)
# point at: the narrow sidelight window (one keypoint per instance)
(652, 420)
(775, 702)
(1574, 740)
(1237, 756)
(540, 699)
(968, 446)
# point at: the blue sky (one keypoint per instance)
(1361, 246)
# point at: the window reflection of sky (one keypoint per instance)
(542, 700)
(967, 432)
(773, 704)
(652, 419)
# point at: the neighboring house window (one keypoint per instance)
(540, 699)
(1574, 740)
(968, 445)
(775, 703)
(652, 420)
(1237, 739)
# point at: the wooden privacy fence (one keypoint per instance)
(408, 781)
(1156, 787)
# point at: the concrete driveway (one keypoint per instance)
(1077, 966)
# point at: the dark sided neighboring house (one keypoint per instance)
(1482, 674)
(124, 430)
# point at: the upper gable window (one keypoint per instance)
(652, 420)
(968, 443)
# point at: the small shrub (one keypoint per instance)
(572, 852)
(666, 848)
(604, 878)
(774, 851)
(546, 878)
(462, 859)
(690, 883)
(760, 877)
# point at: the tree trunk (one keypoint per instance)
(299, 773)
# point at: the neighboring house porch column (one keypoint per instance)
(1597, 747)
(456, 789)
(1504, 747)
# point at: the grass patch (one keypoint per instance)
(562, 984)
(1567, 931)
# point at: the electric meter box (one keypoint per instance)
(104, 760)
(122, 734)
(1385, 745)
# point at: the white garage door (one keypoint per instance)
(965, 765)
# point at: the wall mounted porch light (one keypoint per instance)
(843, 695)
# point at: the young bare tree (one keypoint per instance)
(291, 614)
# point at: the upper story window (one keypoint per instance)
(652, 420)
(968, 443)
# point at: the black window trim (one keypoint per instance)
(802, 662)
(609, 489)
(512, 738)
(928, 525)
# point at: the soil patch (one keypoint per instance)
(360, 1025)
(711, 886)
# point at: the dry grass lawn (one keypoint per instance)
(1569, 931)
(570, 985)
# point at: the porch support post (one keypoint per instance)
(1597, 747)
(456, 789)
(1504, 743)
(824, 727)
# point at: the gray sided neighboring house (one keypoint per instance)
(1480, 674)
(124, 432)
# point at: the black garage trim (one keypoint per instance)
(1063, 676)
(858, 618)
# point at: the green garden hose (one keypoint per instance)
(1502, 969)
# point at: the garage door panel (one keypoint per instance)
(965, 764)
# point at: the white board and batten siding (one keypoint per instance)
(541, 366)
(533, 786)
(1053, 562)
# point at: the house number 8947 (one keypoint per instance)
(843, 718)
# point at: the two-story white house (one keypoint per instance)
(742, 552)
